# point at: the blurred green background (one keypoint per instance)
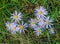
(26, 7)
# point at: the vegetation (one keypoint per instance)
(26, 7)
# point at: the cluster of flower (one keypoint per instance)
(15, 26)
(41, 22)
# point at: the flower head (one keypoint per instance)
(32, 23)
(38, 31)
(16, 16)
(22, 27)
(48, 22)
(41, 22)
(40, 12)
(11, 27)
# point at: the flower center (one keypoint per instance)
(14, 28)
(16, 16)
(21, 27)
(39, 21)
(47, 22)
(38, 30)
(40, 12)
(33, 23)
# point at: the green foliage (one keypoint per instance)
(27, 8)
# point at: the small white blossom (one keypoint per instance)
(22, 27)
(38, 31)
(11, 27)
(48, 22)
(32, 23)
(16, 16)
(41, 12)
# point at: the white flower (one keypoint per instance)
(32, 23)
(41, 22)
(11, 27)
(38, 31)
(51, 30)
(16, 16)
(48, 22)
(22, 27)
(41, 12)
